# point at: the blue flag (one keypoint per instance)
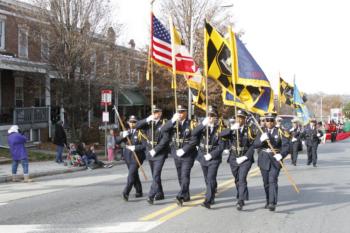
(300, 106)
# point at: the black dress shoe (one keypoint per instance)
(212, 202)
(125, 197)
(159, 197)
(206, 205)
(179, 201)
(308, 164)
(150, 201)
(266, 205)
(272, 207)
(315, 165)
(240, 205)
(186, 199)
(138, 195)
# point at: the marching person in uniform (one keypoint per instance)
(268, 162)
(184, 154)
(241, 157)
(312, 136)
(209, 152)
(138, 146)
(295, 133)
(156, 150)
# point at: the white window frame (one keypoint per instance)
(25, 30)
(3, 35)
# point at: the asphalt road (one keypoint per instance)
(90, 201)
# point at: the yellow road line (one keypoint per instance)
(195, 200)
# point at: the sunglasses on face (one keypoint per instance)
(269, 120)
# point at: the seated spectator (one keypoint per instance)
(91, 160)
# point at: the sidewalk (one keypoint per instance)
(37, 169)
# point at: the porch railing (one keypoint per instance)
(31, 115)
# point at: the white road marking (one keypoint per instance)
(11, 192)
(115, 228)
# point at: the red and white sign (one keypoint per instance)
(106, 97)
(105, 116)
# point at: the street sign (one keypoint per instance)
(106, 97)
(105, 116)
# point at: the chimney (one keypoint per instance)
(132, 44)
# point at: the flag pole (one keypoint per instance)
(151, 74)
(174, 85)
(279, 93)
(130, 144)
(280, 162)
(205, 61)
(234, 75)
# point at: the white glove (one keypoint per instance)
(150, 118)
(318, 135)
(175, 118)
(205, 121)
(264, 137)
(291, 130)
(180, 152)
(152, 152)
(132, 148)
(235, 126)
(125, 133)
(278, 157)
(294, 139)
(240, 160)
(226, 152)
(207, 157)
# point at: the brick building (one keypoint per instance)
(27, 83)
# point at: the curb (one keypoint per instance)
(8, 178)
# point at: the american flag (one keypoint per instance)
(161, 43)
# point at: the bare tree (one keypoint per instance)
(79, 35)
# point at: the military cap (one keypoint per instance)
(242, 113)
(212, 110)
(156, 108)
(132, 118)
(270, 115)
(181, 108)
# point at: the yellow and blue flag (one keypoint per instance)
(300, 107)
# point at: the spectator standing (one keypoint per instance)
(60, 140)
(18, 152)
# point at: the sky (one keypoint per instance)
(308, 39)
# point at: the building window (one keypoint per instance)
(45, 49)
(2, 34)
(39, 93)
(23, 42)
(19, 99)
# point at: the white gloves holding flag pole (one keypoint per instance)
(125, 134)
(152, 153)
(150, 118)
(132, 148)
(235, 126)
(175, 118)
(241, 159)
(264, 137)
(180, 152)
(278, 157)
(208, 157)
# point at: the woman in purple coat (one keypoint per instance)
(18, 152)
